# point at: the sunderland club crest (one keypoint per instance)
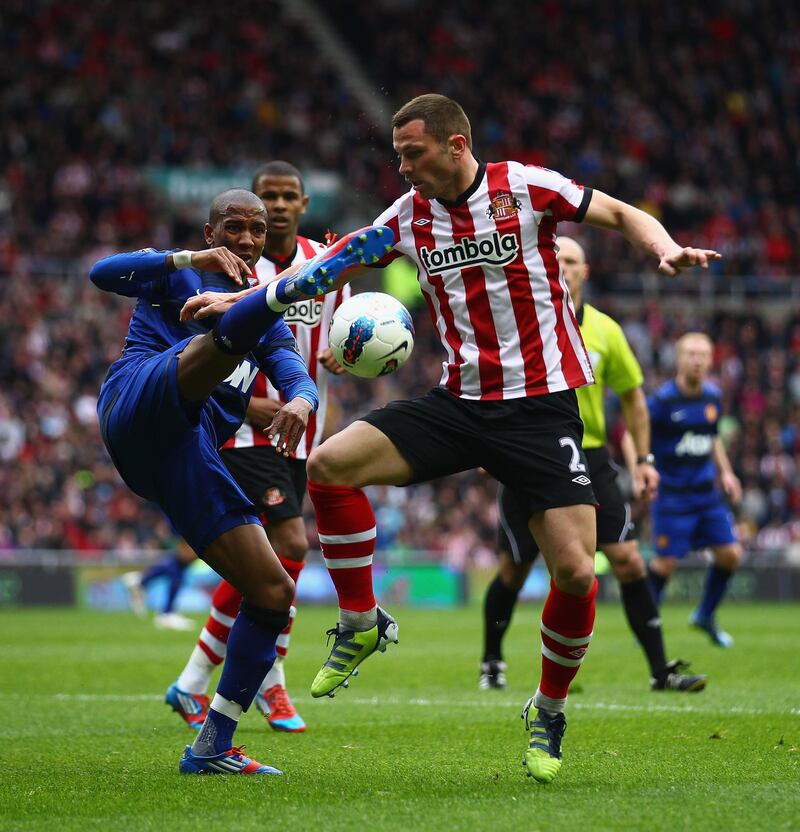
(503, 205)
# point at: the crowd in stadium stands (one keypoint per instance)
(690, 111)
(59, 490)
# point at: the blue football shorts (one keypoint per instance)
(680, 528)
(165, 450)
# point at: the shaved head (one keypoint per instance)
(570, 243)
(694, 340)
(238, 197)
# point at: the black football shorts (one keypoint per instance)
(532, 445)
(613, 513)
(275, 484)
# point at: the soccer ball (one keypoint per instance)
(371, 334)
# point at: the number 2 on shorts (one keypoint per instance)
(575, 464)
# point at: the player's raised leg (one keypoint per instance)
(243, 556)
(567, 539)
(337, 471)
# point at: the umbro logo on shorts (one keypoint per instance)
(582, 480)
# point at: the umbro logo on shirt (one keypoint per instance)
(421, 222)
(497, 250)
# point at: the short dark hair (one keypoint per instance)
(220, 203)
(278, 168)
(443, 117)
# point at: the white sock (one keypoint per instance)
(553, 706)
(196, 675)
(276, 676)
(358, 621)
(226, 707)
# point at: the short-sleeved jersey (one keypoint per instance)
(309, 322)
(488, 269)
(156, 326)
(614, 365)
(683, 430)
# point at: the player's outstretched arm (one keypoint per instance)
(126, 274)
(646, 233)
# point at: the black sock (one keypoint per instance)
(498, 607)
(642, 614)
(657, 584)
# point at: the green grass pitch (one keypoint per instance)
(87, 743)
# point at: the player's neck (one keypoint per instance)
(688, 387)
(280, 247)
(462, 181)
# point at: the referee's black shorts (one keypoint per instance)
(275, 485)
(613, 513)
(532, 445)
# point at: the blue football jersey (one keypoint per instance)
(683, 430)
(156, 326)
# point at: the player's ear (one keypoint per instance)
(457, 145)
(304, 203)
(208, 234)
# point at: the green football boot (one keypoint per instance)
(350, 648)
(542, 759)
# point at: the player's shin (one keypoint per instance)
(212, 644)
(240, 328)
(498, 607)
(658, 583)
(276, 674)
(642, 614)
(251, 653)
(347, 532)
(567, 622)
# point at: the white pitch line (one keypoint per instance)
(483, 702)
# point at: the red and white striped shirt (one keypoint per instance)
(309, 322)
(487, 266)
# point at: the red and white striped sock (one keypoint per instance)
(567, 622)
(212, 645)
(346, 527)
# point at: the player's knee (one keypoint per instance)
(282, 591)
(295, 547)
(575, 577)
(728, 557)
(513, 576)
(277, 593)
(322, 467)
(626, 563)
